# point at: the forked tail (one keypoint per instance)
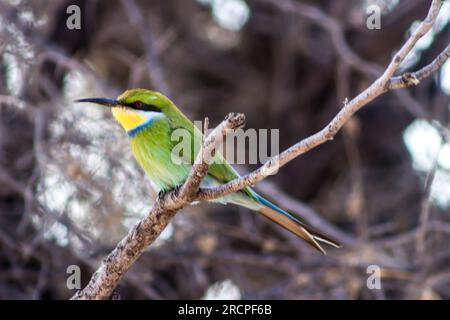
(294, 225)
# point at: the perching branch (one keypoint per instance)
(414, 78)
(384, 83)
(147, 230)
(117, 263)
(201, 164)
(372, 70)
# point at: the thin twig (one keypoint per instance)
(206, 154)
(380, 86)
(414, 78)
(146, 231)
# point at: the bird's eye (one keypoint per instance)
(138, 104)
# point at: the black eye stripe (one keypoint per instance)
(139, 105)
(149, 107)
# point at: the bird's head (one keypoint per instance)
(137, 107)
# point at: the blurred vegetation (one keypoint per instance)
(70, 190)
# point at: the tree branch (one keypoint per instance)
(380, 86)
(414, 78)
(200, 168)
(112, 269)
(146, 231)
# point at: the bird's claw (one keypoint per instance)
(161, 194)
(175, 190)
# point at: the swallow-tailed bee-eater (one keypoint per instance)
(149, 119)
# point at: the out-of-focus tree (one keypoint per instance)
(70, 190)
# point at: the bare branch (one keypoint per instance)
(147, 230)
(205, 155)
(108, 275)
(414, 78)
(351, 58)
(380, 86)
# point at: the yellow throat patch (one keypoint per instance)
(128, 119)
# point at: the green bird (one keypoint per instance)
(149, 118)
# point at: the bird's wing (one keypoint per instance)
(220, 169)
(223, 171)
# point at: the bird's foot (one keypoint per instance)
(161, 194)
(175, 190)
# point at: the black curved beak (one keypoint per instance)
(102, 101)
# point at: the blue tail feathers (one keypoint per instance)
(272, 206)
(299, 228)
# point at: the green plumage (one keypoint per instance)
(153, 146)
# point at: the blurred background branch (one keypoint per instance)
(68, 182)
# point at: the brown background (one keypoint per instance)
(282, 71)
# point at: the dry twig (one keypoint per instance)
(146, 231)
